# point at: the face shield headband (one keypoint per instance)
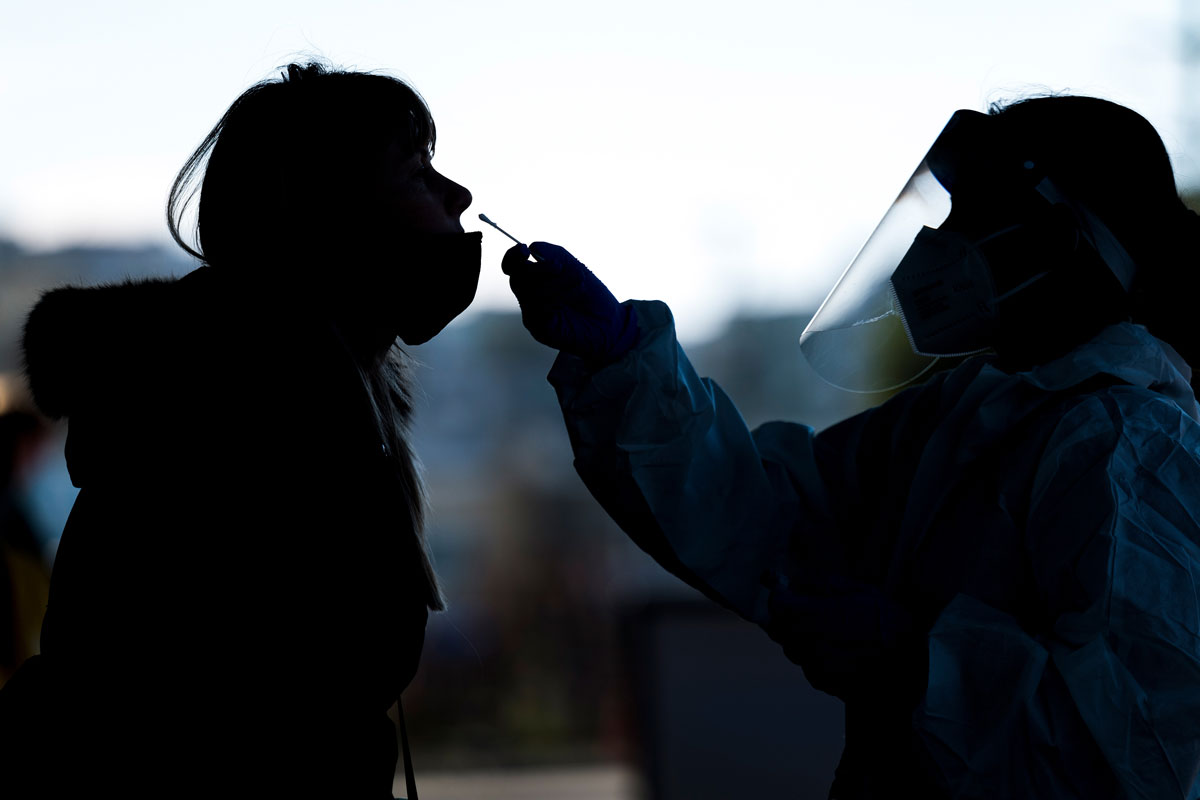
(914, 293)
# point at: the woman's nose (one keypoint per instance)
(458, 197)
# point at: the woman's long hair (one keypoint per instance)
(1111, 158)
(285, 182)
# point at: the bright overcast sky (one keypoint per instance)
(719, 156)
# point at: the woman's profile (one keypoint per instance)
(241, 591)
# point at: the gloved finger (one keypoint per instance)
(560, 270)
(537, 289)
(540, 322)
(516, 258)
(553, 254)
(549, 281)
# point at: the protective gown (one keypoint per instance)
(1042, 528)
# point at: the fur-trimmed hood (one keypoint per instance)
(144, 368)
(128, 344)
(82, 343)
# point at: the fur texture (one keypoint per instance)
(75, 335)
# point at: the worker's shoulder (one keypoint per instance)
(1124, 421)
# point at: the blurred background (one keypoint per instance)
(726, 158)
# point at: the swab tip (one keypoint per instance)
(497, 227)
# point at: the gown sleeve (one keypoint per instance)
(1113, 537)
(671, 460)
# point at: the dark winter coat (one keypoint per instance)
(238, 596)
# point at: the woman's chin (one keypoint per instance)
(414, 339)
(426, 329)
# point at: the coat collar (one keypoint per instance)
(1129, 353)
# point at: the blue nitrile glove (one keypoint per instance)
(565, 306)
(851, 639)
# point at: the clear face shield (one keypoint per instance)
(916, 293)
(856, 340)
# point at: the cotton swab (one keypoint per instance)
(497, 227)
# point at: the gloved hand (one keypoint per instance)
(852, 640)
(565, 306)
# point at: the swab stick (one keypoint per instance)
(497, 227)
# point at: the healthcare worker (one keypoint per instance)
(998, 568)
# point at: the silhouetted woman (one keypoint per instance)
(241, 591)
